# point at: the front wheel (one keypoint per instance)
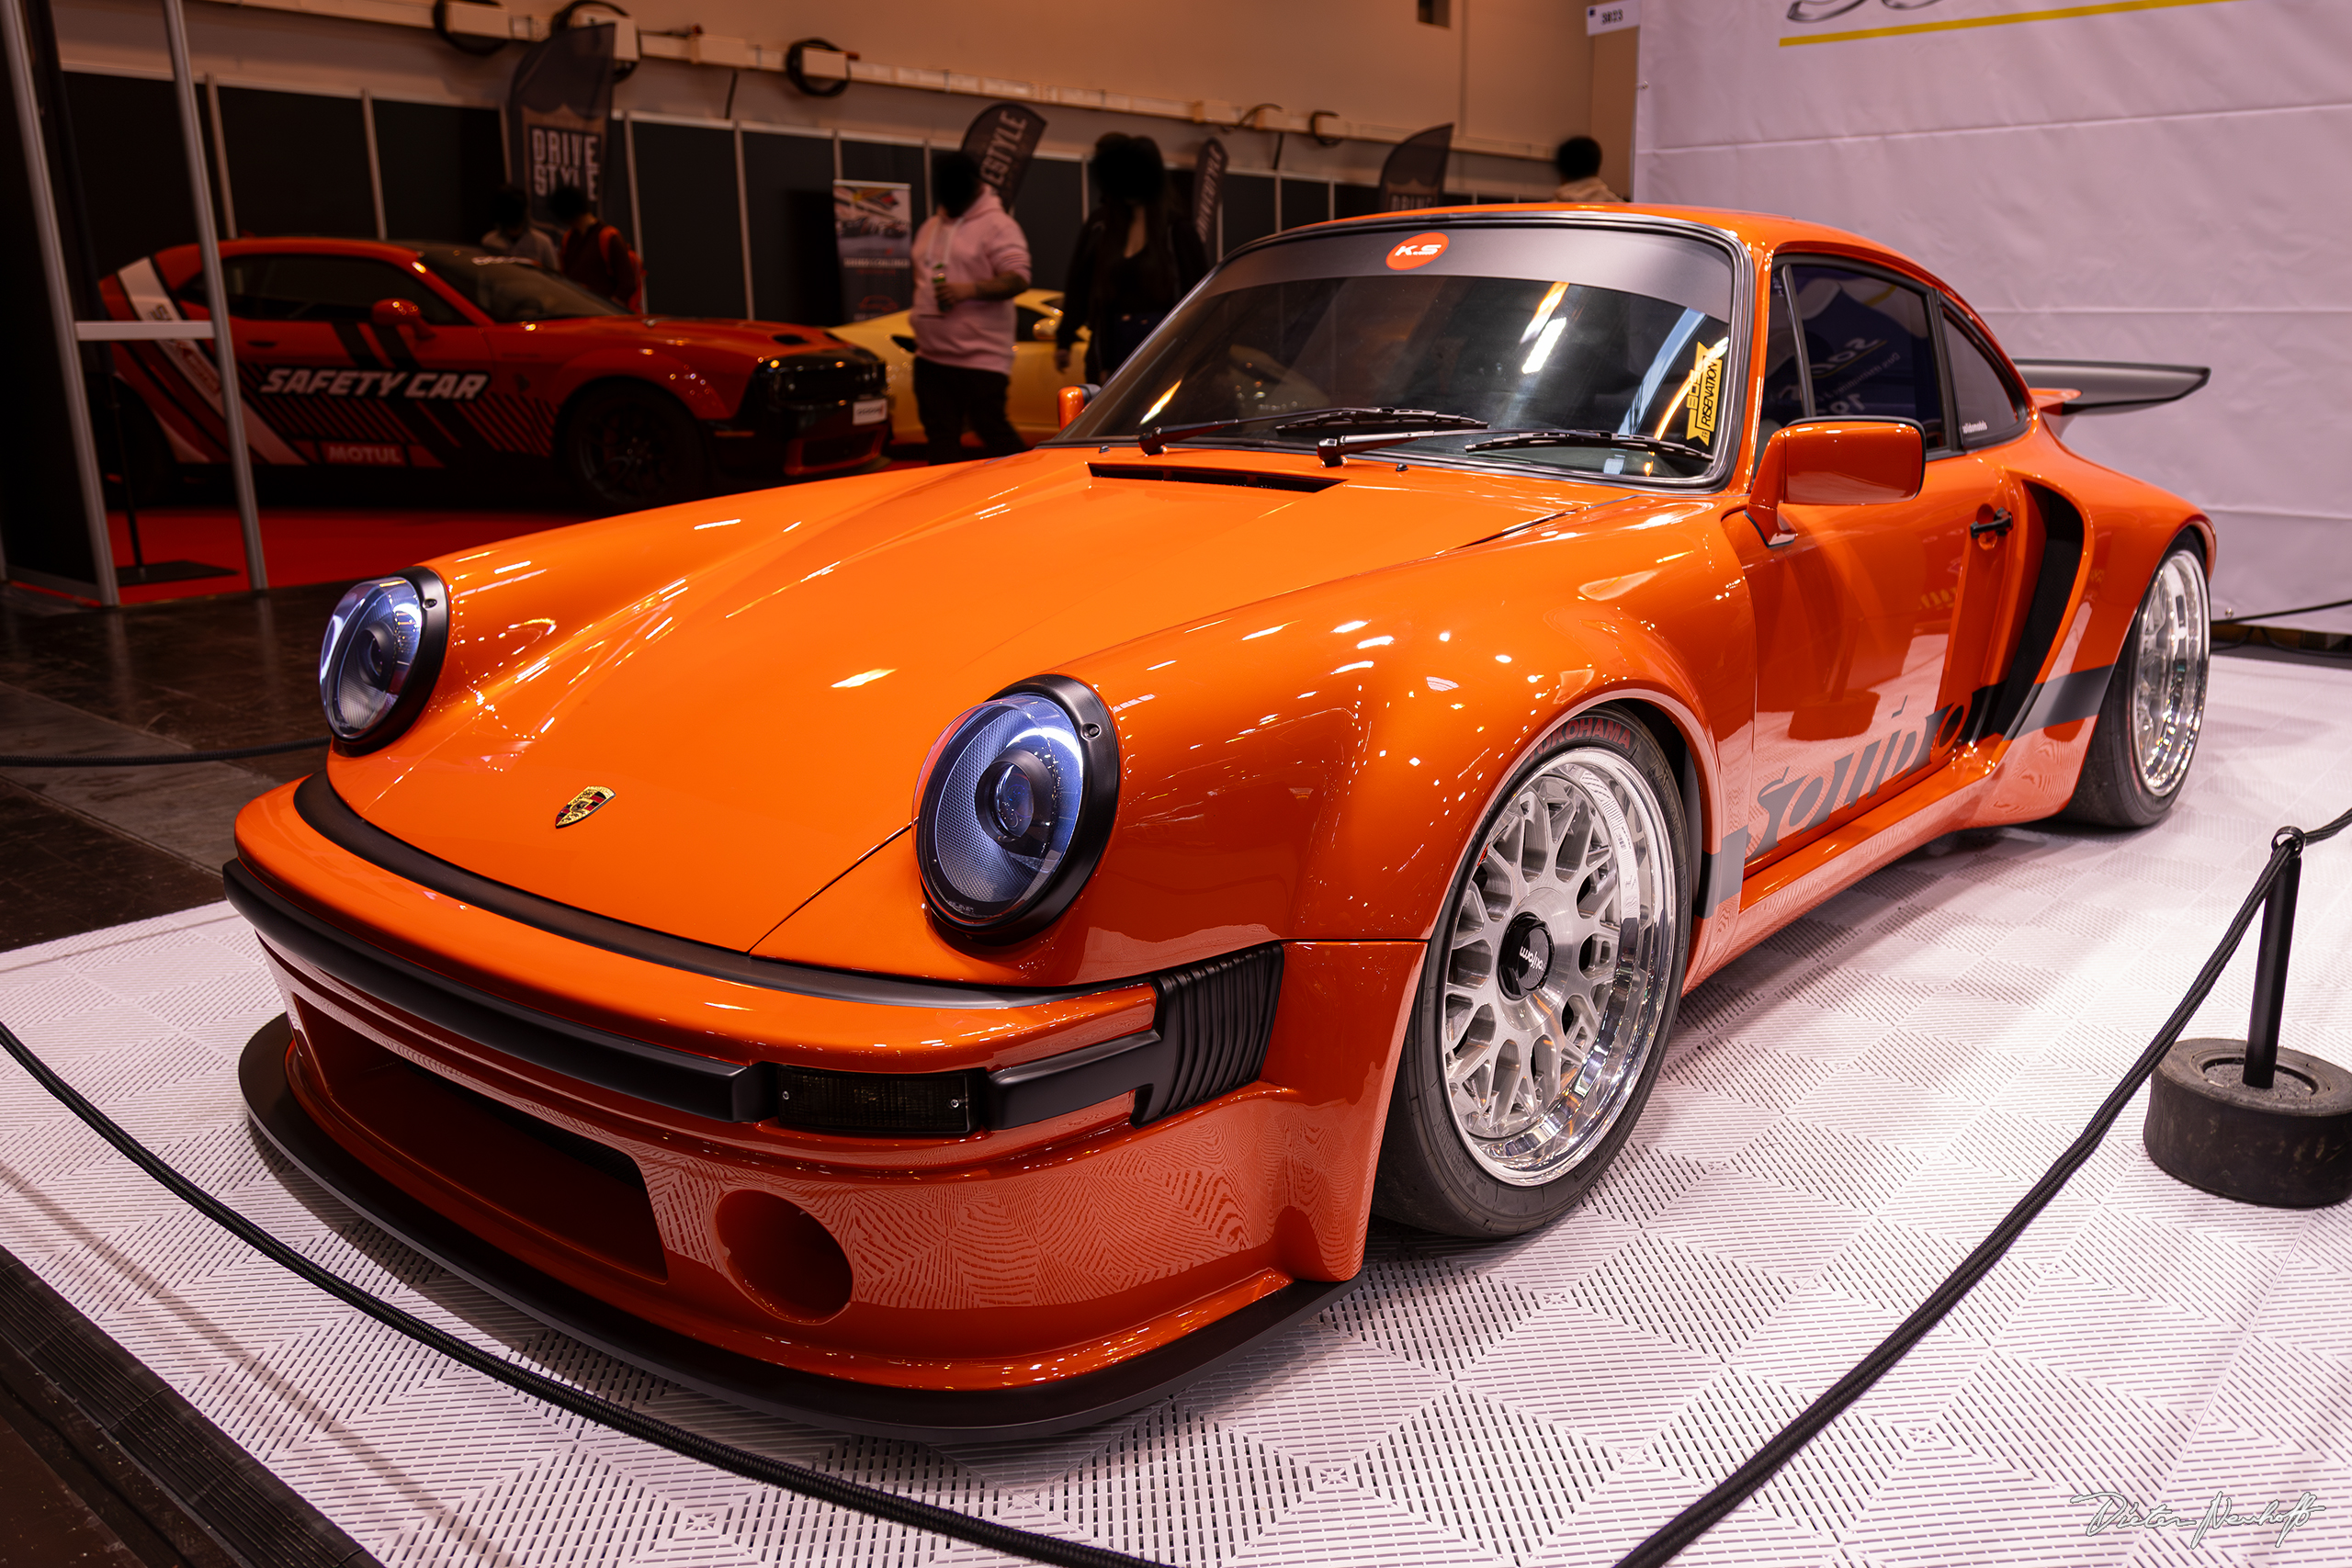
(1548, 991)
(2146, 733)
(626, 447)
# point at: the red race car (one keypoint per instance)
(375, 355)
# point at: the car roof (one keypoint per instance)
(1762, 232)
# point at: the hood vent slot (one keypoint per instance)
(1248, 477)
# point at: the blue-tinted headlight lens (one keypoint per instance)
(1001, 807)
(372, 645)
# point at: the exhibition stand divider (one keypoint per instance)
(2273, 1088)
(71, 335)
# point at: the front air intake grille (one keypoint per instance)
(906, 1105)
(811, 378)
(1219, 1016)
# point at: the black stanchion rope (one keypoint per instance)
(782, 1473)
(1740, 1484)
(1661, 1546)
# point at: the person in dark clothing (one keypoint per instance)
(594, 254)
(1137, 256)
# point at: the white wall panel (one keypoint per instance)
(2153, 183)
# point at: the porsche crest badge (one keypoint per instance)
(581, 806)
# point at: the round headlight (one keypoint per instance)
(1016, 804)
(382, 649)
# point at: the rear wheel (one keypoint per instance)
(1548, 992)
(2148, 722)
(626, 447)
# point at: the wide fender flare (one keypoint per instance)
(2127, 526)
(1313, 767)
(651, 366)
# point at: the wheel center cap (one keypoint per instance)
(1526, 958)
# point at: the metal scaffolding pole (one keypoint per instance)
(61, 303)
(216, 294)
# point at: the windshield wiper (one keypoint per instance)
(1619, 439)
(1155, 441)
(1334, 449)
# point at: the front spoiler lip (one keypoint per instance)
(933, 1416)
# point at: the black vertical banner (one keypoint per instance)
(557, 114)
(1003, 139)
(1415, 173)
(1208, 191)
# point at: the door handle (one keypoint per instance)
(1992, 527)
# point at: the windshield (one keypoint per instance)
(509, 288)
(1543, 327)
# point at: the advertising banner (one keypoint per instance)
(2141, 180)
(874, 229)
(557, 113)
(1208, 191)
(1414, 175)
(1001, 139)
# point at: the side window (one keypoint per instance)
(294, 287)
(1988, 408)
(1869, 345)
(1783, 374)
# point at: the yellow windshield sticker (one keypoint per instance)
(1705, 377)
(1704, 401)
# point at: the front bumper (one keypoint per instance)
(619, 1174)
(921, 1414)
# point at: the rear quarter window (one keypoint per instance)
(1988, 409)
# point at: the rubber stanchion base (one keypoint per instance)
(2289, 1146)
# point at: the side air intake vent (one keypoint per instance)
(1217, 1018)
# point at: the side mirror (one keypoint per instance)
(1071, 402)
(1834, 462)
(392, 315)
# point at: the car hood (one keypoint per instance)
(761, 715)
(758, 340)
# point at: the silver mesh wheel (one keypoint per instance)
(2168, 676)
(1555, 966)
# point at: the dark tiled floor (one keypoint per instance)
(60, 876)
(235, 671)
(200, 673)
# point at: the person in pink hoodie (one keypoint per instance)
(970, 260)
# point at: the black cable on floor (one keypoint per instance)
(167, 759)
(2274, 615)
(782, 1473)
(1740, 1484)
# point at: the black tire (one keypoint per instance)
(1430, 1176)
(2126, 781)
(624, 448)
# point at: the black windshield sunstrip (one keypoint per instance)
(1244, 477)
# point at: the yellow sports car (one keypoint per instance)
(1030, 404)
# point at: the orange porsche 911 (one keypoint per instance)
(958, 951)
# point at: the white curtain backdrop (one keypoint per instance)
(2166, 180)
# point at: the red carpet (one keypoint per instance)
(310, 533)
(311, 544)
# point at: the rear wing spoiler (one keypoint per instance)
(2070, 387)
